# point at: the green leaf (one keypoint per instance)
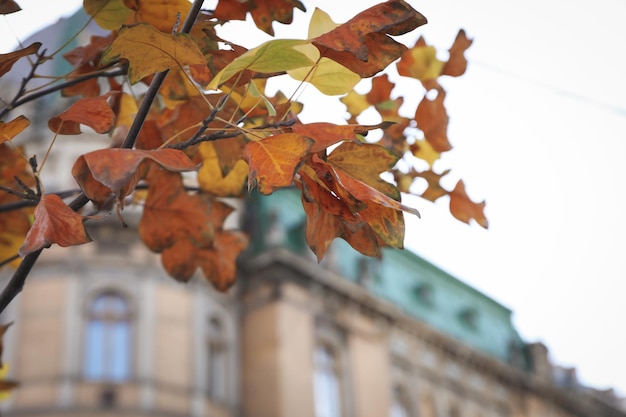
(328, 76)
(272, 56)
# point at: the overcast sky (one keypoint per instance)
(539, 127)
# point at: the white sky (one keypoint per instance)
(539, 127)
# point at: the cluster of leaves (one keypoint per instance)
(206, 111)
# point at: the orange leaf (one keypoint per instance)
(56, 223)
(171, 214)
(362, 44)
(328, 134)
(457, 63)
(465, 209)
(274, 160)
(94, 112)
(432, 119)
(115, 172)
(7, 60)
(434, 189)
(11, 129)
(263, 12)
(188, 231)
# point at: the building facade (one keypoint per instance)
(100, 329)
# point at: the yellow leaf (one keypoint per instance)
(162, 14)
(108, 14)
(11, 129)
(355, 102)
(272, 56)
(212, 180)
(150, 51)
(320, 23)
(420, 62)
(10, 243)
(328, 76)
(422, 149)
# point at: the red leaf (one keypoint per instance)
(115, 172)
(56, 223)
(94, 112)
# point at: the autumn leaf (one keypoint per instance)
(104, 173)
(272, 56)
(423, 150)
(56, 223)
(264, 13)
(94, 112)
(328, 76)
(7, 60)
(211, 178)
(434, 190)
(432, 119)
(327, 134)
(171, 214)
(465, 209)
(150, 51)
(420, 62)
(11, 129)
(162, 14)
(362, 44)
(457, 63)
(188, 231)
(274, 160)
(108, 14)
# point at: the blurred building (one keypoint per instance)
(101, 330)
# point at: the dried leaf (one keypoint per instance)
(7, 60)
(457, 63)
(9, 6)
(11, 129)
(362, 44)
(115, 172)
(432, 119)
(162, 14)
(56, 223)
(211, 177)
(465, 209)
(150, 51)
(108, 14)
(94, 112)
(264, 13)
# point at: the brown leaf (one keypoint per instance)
(457, 63)
(434, 190)
(263, 12)
(7, 60)
(465, 209)
(56, 223)
(94, 112)
(115, 172)
(188, 231)
(432, 119)
(328, 134)
(362, 44)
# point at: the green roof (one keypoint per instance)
(413, 284)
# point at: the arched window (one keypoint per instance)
(217, 359)
(327, 383)
(399, 403)
(108, 338)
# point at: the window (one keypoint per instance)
(326, 383)
(107, 354)
(399, 403)
(217, 359)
